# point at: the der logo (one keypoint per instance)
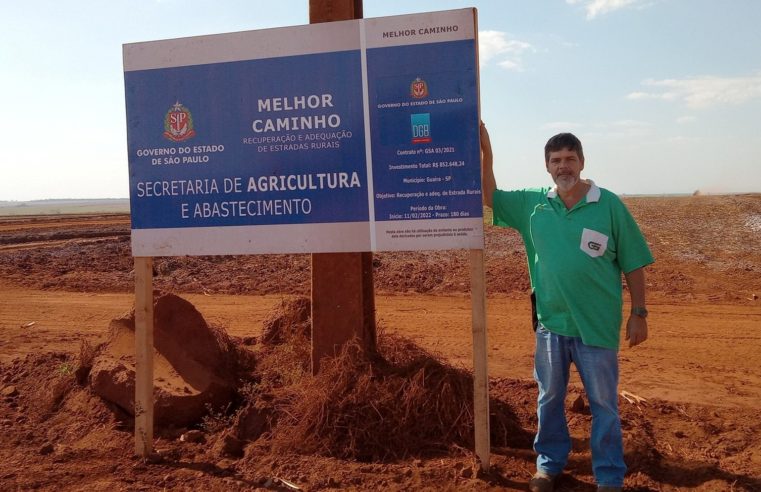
(421, 128)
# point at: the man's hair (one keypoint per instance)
(563, 141)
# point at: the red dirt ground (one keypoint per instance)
(700, 371)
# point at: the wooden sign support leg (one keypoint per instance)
(480, 371)
(343, 304)
(343, 299)
(143, 356)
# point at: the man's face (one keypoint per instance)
(565, 168)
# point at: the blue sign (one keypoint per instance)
(306, 139)
(265, 147)
(425, 161)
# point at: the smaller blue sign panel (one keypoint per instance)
(426, 163)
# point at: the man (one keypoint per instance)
(579, 238)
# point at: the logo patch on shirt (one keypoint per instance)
(593, 243)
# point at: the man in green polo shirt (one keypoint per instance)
(579, 239)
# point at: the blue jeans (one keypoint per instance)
(598, 368)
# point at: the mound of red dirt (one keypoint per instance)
(195, 365)
(292, 319)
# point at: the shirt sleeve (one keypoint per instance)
(633, 251)
(513, 208)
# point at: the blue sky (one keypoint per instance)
(665, 94)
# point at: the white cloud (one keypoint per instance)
(703, 92)
(511, 65)
(683, 120)
(495, 45)
(599, 7)
(666, 96)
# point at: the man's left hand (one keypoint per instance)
(636, 330)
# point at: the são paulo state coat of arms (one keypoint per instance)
(178, 123)
(418, 88)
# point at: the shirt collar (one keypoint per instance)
(593, 195)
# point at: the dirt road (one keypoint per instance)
(696, 353)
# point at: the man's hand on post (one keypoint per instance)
(636, 330)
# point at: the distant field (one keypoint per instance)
(64, 207)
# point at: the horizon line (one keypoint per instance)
(693, 193)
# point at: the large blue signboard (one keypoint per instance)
(349, 136)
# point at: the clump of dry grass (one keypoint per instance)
(376, 407)
(286, 351)
(367, 405)
(87, 353)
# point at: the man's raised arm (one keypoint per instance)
(488, 183)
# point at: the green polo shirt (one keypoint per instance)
(575, 258)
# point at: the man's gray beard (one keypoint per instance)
(566, 183)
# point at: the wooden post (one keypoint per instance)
(480, 371)
(343, 297)
(343, 305)
(143, 356)
(334, 10)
